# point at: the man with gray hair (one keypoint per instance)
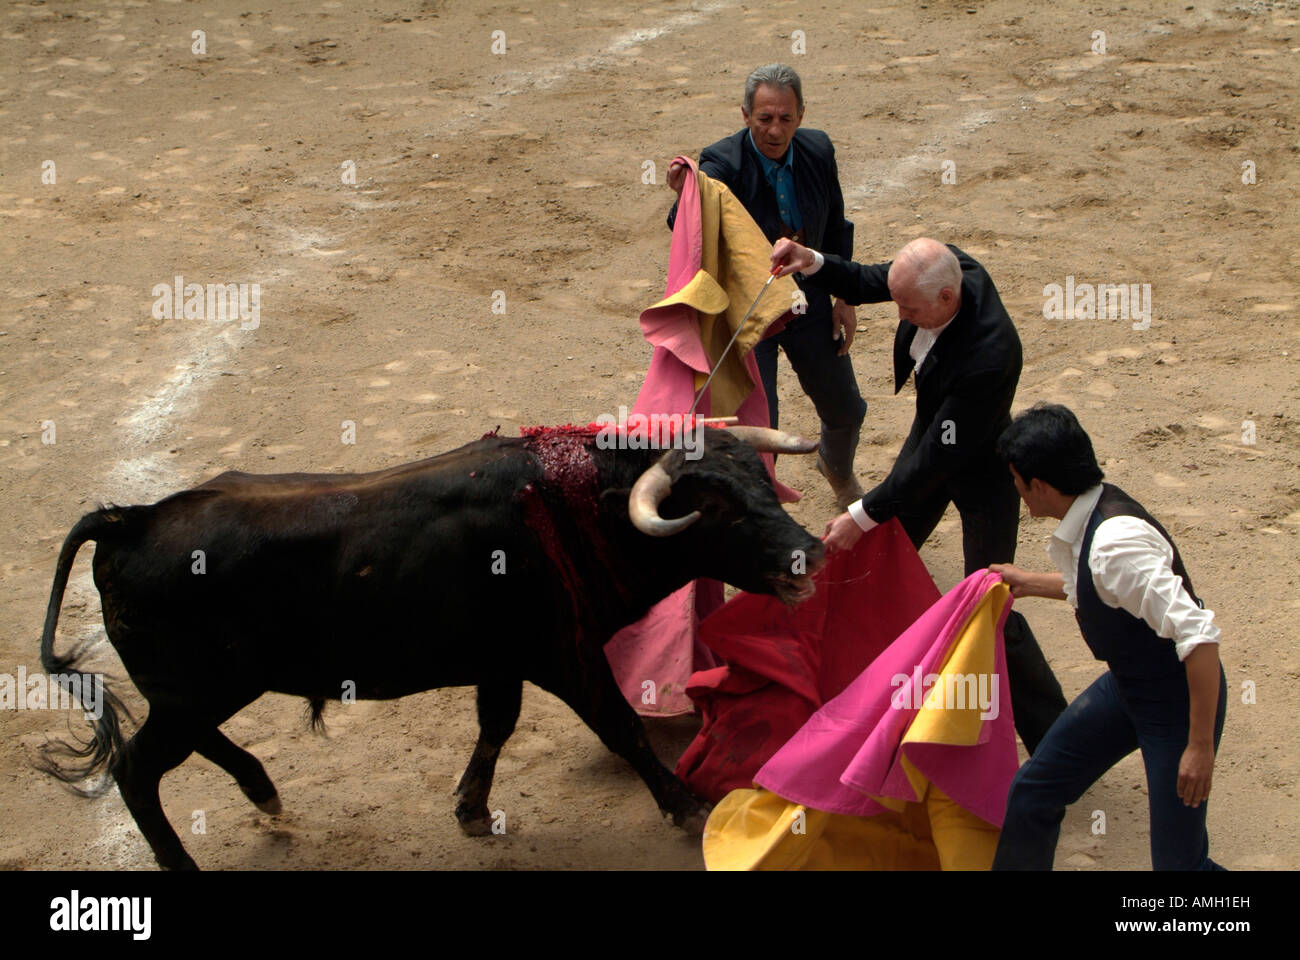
(787, 179)
(958, 338)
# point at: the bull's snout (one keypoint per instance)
(796, 584)
(816, 555)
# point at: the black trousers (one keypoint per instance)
(990, 522)
(1101, 727)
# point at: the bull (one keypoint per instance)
(508, 559)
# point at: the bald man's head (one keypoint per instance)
(925, 283)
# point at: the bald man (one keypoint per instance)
(955, 334)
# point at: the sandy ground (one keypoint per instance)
(523, 172)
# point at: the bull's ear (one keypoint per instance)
(614, 499)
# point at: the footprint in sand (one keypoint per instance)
(1101, 357)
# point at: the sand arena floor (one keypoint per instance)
(522, 172)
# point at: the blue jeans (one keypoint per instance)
(828, 380)
(1097, 730)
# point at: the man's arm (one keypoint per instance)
(854, 283)
(959, 430)
(1132, 568)
(1024, 583)
(1196, 768)
(963, 428)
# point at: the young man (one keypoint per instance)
(1164, 692)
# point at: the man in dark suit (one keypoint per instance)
(955, 334)
(787, 180)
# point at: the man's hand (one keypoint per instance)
(1195, 770)
(843, 317)
(791, 257)
(1015, 578)
(1026, 584)
(843, 532)
(676, 176)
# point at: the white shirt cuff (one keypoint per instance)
(818, 262)
(859, 515)
(1184, 647)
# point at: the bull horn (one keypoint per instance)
(767, 440)
(643, 504)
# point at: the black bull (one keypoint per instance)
(508, 559)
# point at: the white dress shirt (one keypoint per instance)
(924, 341)
(1132, 570)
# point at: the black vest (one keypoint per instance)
(1137, 655)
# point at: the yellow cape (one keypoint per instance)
(735, 262)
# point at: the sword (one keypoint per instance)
(770, 277)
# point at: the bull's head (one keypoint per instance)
(724, 503)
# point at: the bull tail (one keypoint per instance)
(317, 720)
(74, 763)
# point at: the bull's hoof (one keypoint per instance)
(694, 823)
(692, 820)
(476, 827)
(264, 797)
(474, 822)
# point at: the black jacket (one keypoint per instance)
(816, 186)
(963, 390)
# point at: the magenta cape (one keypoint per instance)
(855, 747)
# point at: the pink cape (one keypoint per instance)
(853, 748)
(653, 658)
(783, 663)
